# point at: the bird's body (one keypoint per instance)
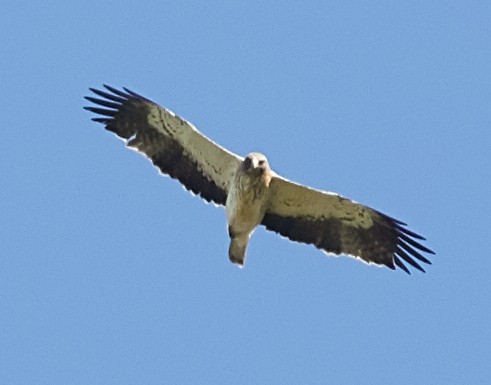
(246, 203)
(251, 192)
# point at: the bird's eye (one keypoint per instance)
(261, 162)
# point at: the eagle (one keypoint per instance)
(251, 192)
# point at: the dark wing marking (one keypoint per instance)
(340, 226)
(174, 145)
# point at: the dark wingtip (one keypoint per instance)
(401, 253)
(102, 111)
(401, 265)
(390, 265)
(132, 93)
(109, 96)
(101, 120)
(409, 242)
(103, 102)
(410, 233)
(391, 219)
(116, 91)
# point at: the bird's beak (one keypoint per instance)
(248, 163)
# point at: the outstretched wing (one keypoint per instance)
(174, 145)
(340, 226)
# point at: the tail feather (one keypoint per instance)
(237, 250)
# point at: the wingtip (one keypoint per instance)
(398, 262)
(101, 120)
(131, 92)
(113, 90)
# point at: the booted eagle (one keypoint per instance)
(251, 192)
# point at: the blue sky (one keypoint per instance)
(111, 274)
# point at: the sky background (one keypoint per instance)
(112, 274)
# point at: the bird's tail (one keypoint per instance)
(237, 250)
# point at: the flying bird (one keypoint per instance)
(251, 192)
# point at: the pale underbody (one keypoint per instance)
(246, 204)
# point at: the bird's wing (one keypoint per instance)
(340, 226)
(174, 145)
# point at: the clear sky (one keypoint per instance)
(112, 274)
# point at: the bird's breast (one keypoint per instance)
(245, 204)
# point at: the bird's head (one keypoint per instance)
(255, 163)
